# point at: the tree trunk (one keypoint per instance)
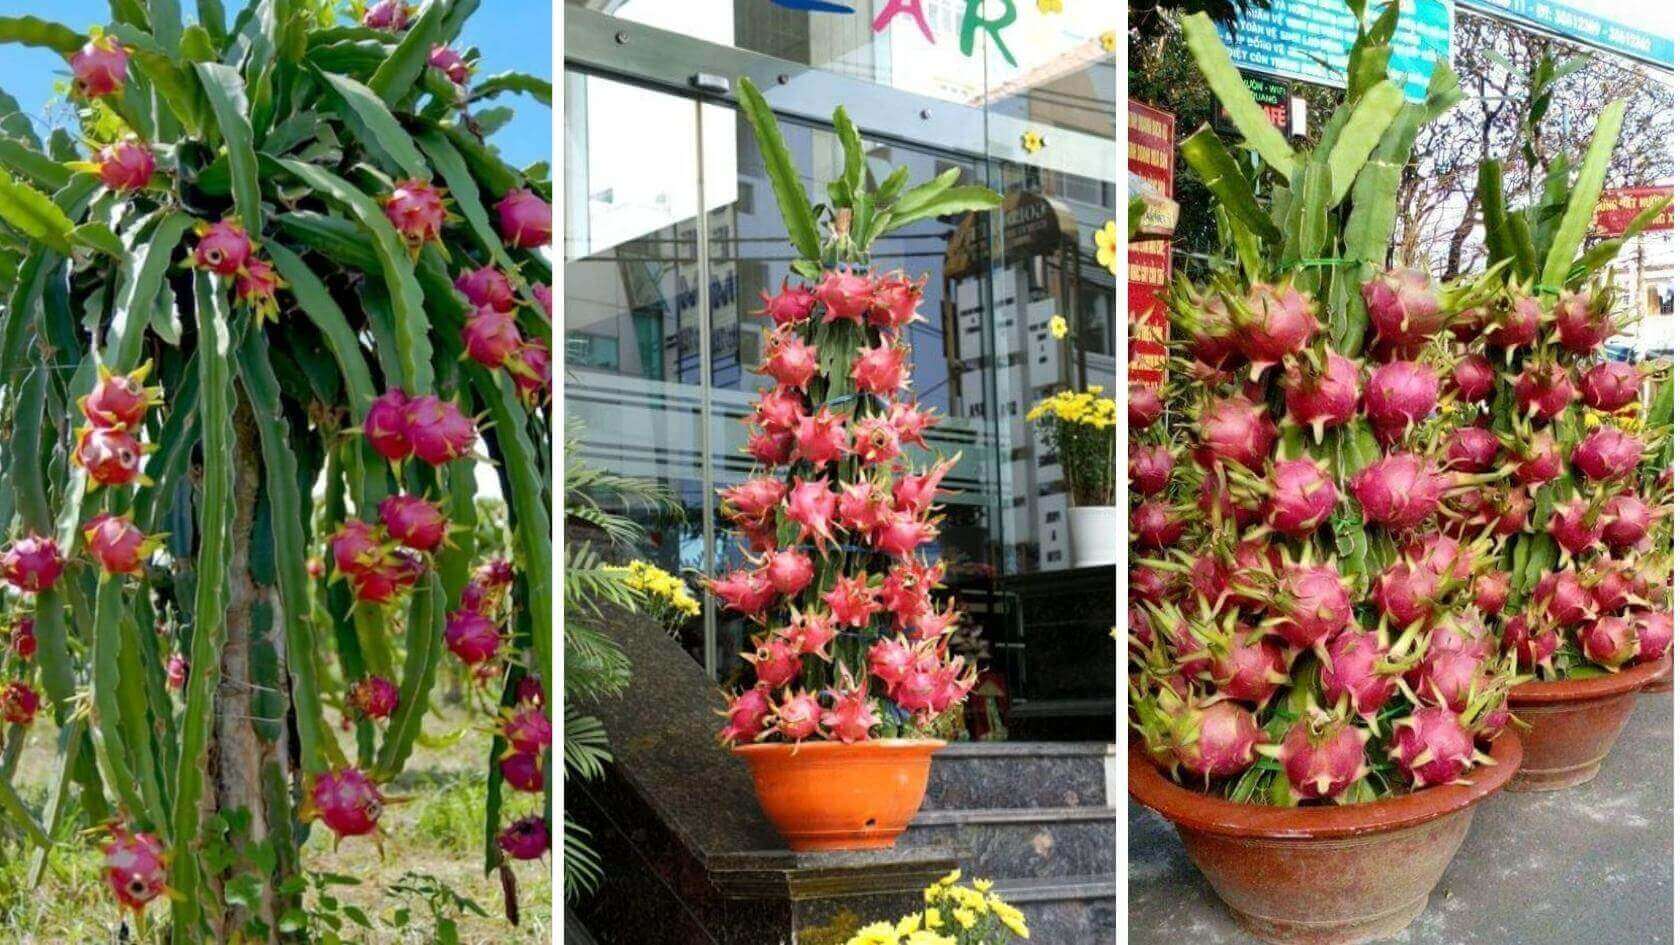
(249, 762)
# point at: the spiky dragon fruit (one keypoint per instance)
(1319, 399)
(416, 210)
(525, 839)
(471, 636)
(1351, 669)
(523, 771)
(1238, 430)
(136, 868)
(1300, 498)
(1610, 385)
(1433, 747)
(525, 220)
(1610, 641)
(1607, 453)
(1400, 393)
(414, 521)
(1313, 605)
(1473, 378)
(1272, 323)
(1221, 741)
(18, 703)
(100, 67)
(1398, 491)
(347, 801)
(117, 545)
(126, 166)
(223, 248)
(22, 640)
(1322, 762)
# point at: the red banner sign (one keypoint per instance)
(1617, 206)
(1149, 155)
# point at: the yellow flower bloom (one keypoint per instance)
(878, 933)
(950, 879)
(1108, 242)
(1107, 40)
(931, 919)
(909, 923)
(985, 886)
(925, 937)
(1058, 327)
(1032, 142)
(1049, 6)
(1010, 916)
(965, 917)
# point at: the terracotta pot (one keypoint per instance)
(1664, 682)
(835, 796)
(1324, 875)
(1568, 726)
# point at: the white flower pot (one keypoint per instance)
(1092, 531)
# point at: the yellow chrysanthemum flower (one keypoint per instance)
(985, 886)
(965, 917)
(877, 933)
(909, 923)
(1107, 40)
(1010, 916)
(1108, 243)
(1058, 327)
(1032, 142)
(925, 937)
(951, 878)
(931, 919)
(1049, 6)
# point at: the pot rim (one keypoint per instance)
(1541, 692)
(910, 746)
(1206, 813)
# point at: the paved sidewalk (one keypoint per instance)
(1589, 864)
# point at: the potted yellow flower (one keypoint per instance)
(1080, 427)
(955, 915)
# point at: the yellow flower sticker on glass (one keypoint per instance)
(1107, 40)
(1108, 243)
(1032, 142)
(1049, 6)
(1058, 327)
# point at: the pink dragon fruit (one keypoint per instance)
(788, 360)
(1607, 453)
(1433, 746)
(1471, 449)
(1312, 605)
(863, 505)
(22, 639)
(1401, 393)
(526, 221)
(32, 564)
(1322, 763)
(880, 370)
(1582, 323)
(1148, 584)
(120, 401)
(1403, 305)
(1300, 497)
(820, 438)
(1491, 591)
(1655, 629)
(910, 421)
(471, 636)
(1533, 649)
(853, 601)
(890, 659)
(437, 430)
(1149, 468)
(896, 298)
(1214, 498)
(874, 441)
(791, 306)
(18, 703)
(356, 547)
(789, 571)
(373, 697)
(135, 867)
(1238, 430)
(487, 286)
(522, 772)
(746, 716)
(126, 166)
(1448, 675)
(1610, 385)
(900, 533)
(1612, 586)
(845, 295)
(415, 522)
(255, 289)
(851, 714)
(1567, 601)
(450, 63)
(544, 296)
(117, 545)
(347, 801)
(527, 730)
(1515, 323)
(1610, 642)
(1542, 391)
(1627, 520)
(175, 672)
(100, 67)
(1407, 592)
(812, 506)
(223, 248)
(809, 633)
(491, 337)
(416, 210)
(1321, 399)
(798, 716)
(1540, 460)
(1275, 321)
(110, 456)
(1222, 741)
(1143, 405)
(1155, 525)
(525, 839)
(916, 493)
(743, 591)
(1398, 491)
(1248, 668)
(1576, 526)
(386, 426)
(389, 15)
(532, 372)
(1473, 378)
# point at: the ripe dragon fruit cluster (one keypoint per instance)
(848, 639)
(1342, 564)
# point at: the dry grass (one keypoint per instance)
(437, 831)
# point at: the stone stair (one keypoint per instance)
(1038, 818)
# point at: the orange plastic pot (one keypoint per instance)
(1568, 726)
(1323, 875)
(834, 796)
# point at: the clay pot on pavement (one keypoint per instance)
(1324, 875)
(835, 796)
(1568, 726)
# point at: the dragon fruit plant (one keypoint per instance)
(1327, 496)
(275, 259)
(849, 643)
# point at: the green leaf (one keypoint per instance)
(34, 214)
(334, 237)
(535, 86)
(143, 278)
(1359, 137)
(1206, 155)
(1602, 253)
(851, 143)
(33, 164)
(791, 196)
(226, 91)
(423, 641)
(33, 31)
(388, 134)
(1583, 199)
(955, 200)
(464, 189)
(1227, 83)
(397, 75)
(98, 236)
(1371, 221)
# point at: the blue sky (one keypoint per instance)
(511, 34)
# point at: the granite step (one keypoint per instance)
(986, 775)
(1021, 843)
(1072, 910)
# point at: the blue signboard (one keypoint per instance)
(1591, 29)
(1309, 40)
